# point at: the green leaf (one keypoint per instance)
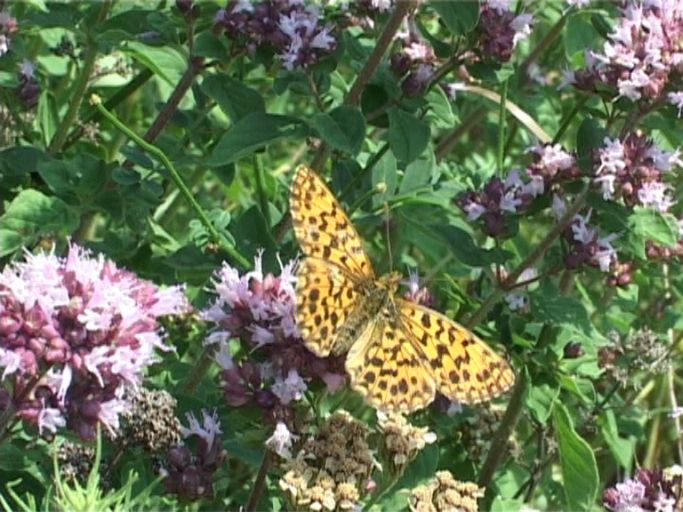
(548, 302)
(164, 61)
(440, 109)
(81, 178)
(501, 504)
(343, 129)
(422, 468)
(47, 116)
(252, 133)
(589, 136)
(466, 250)
(408, 136)
(417, 175)
(540, 401)
(621, 448)
(459, 17)
(646, 224)
(31, 215)
(579, 34)
(577, 463)
(233, 97)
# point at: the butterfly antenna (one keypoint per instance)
(387, 227)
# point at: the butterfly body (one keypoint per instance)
(399, 352)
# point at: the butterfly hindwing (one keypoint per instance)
(322, 227)
(464, 367)
(386, 368)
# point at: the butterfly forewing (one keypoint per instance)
(400, 353)
(325, 297)
(465, 368)
(322, 227)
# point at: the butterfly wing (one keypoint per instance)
(325, 298)
(322, 227)
(386, 368)
(464, 367)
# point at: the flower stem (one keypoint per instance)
(259, 484)
(219, 239)
(501, 127)
(121, 95)
(530, 260)
(261, 190)
(80, 86)
(401, 10)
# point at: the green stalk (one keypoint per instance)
(177, 179)
(80, 86)
(501, 127)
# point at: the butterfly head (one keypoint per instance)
(390, 282)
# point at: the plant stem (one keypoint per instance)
(501, 127)
(80, 86)
(507, 425)
(261, 189)
(570, 117)
(530, 260)
(219, 239)
(198, 371)
(446, 144)
(401, 9)
(121, 95)
(259, 484)
(194, 67)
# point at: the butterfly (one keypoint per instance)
(399, 353)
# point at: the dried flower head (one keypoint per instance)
(401, 441)
(445, 493)
(639, 350)
(75, 332)
(151, 421)
(75, 460)
(331, 470)
(477, 430)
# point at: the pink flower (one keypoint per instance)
(85, 329)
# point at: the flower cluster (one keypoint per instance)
(292, 29)
(658, 490)
(499, 198)
(477, 430)
(499, 30)
(150, 422)
(401, 441)
(258, 309)
(643, 55)
(633, 170)
(8, 27)
(331, 471)
(417, 293)
(639, 350)
(190, 476)
(74, 333)
(445, 493)
(414, 64)
(75, 461)
(28, 90)
(586, 247)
